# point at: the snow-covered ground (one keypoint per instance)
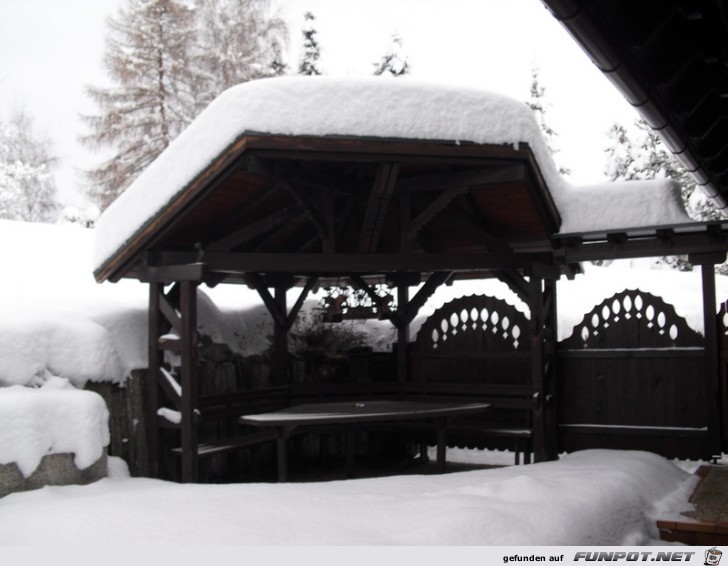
(594, 497)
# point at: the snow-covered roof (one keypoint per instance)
(372, 108)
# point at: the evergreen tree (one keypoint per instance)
(311, 50)
(394, 62)
(238, 42)
(149, 57)
(646, 157)
(537, 103)
(27, 185)
(168, 59)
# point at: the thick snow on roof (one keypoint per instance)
(614, 206)
(375, 107)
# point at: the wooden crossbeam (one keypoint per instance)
(310, 210)
(282, 319)
(442, 181)
(293, 313)
(363, 263)
(172, 389)
(515, 282)
(436, 206)
(194, 271)
(425, 292)
(246, 233)
(575, 251)
(259, 285)
(234, 216)
(377, 206)
(169, 312)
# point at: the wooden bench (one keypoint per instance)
(220, 412)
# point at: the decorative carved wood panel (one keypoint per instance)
(633, 319)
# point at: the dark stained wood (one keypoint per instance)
(643, 246)
(377, 206)
(536, 327)
(710, 324)
(633, 367)
(246, 233)
(154, 359)
(365, 263)
(227, 206)
(403, 332)
(481, 347)
(188, 311)
(444, 181)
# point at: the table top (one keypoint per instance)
(364, 411)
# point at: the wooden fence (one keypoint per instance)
(631, 376)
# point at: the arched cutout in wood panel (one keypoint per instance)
(632, 319)
(474, 323)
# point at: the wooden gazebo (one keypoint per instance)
(276, 209)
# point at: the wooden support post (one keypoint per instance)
(154, 361)
(540, 450)
(403, 332)
(279, 363)
(550, 372)
(188, 311)
(712, 362)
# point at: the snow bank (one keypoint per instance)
(57, 321)
(594, 497)
(53, 419)
(374, 107)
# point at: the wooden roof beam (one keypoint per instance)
(659, 245)
(363, 263)
(440, 181)
(246, 233)
(377, 206)
(436, 206)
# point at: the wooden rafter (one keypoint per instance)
(233, 217)
(261, 226)
(377, 206)
(310, 210)
(436, 206)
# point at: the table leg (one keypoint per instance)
(350, 450)
(441, 444)
(282, 453)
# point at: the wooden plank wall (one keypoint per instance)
(632, 376)
(480, 347)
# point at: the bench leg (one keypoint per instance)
(349, 449)
(441, 445)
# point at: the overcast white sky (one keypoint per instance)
(52, 48)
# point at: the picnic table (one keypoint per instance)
(352, 413)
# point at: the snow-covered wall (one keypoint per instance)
(56, 418)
